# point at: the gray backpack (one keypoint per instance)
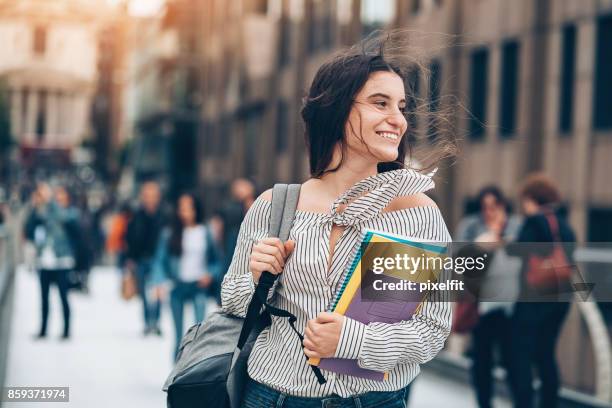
(211, 368)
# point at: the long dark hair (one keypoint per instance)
(327, 106)
(175, 245)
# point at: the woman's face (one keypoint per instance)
(376, 123)
(186, 210)
(490, 208)
(529, 206)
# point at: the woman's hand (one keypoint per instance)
(269, 255)
(322, 335)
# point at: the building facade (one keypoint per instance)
(48, 63)
(530, 88)
(164, 95)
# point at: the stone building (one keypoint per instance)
(531, 91)
(48, 62)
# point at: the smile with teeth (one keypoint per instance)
(388, 135)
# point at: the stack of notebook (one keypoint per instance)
(393, 307)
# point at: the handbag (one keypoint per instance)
(465, 317)
(211, 367)
(128, 285)
(550, 271)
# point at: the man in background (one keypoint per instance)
(142, 236)
(242, 197)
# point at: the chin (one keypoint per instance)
(386, 155)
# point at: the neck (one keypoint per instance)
(352, 170)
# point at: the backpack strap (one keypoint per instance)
(284, 203)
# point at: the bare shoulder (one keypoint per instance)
(415, 200)
(266, 195)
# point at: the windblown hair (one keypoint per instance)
(326, 108)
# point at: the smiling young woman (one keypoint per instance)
(355, 126)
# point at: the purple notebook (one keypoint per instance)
(366, 311)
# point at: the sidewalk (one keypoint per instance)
(108, 362)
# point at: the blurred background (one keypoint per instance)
(101, 96)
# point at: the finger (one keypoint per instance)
(274, 251)
(275, 242)
(260, 267)
(308, 334)
(311, 325)
(325, 317)
(270, 260)
(309, 344)
(311, 353)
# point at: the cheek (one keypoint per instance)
(353, 130)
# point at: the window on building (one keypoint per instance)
(435, 76)
(327, 27)
(41, 116)
(224, 142)
(207, 136)
(568, 68)
(603, 80)
(415, 7)
(509, 88)
(282, 126)
(252, 132)
(311, 27)
(40, 40)
(478, 93)
(284, 51)
(320, 26)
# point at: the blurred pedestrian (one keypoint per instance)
(53, 227)
(491, 334)
(143, 234)
(536, 324)
(83, 245)
(188, 258)
(242, 197)
(116, 241)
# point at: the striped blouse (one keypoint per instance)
(306, 287)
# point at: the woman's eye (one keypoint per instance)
(382, 104)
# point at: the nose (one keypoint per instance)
(397, 119)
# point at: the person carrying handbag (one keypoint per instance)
(538, 316)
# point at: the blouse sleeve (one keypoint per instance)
(238, 286)
(382, 346)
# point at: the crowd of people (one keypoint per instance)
(519, 330)
(172, 255)
(169, 253)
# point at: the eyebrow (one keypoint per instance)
(382, 95)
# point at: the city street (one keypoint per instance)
(108, 362)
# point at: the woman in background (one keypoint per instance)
(187, 258)
(492, 226)
(537, 323)
(53, 227)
